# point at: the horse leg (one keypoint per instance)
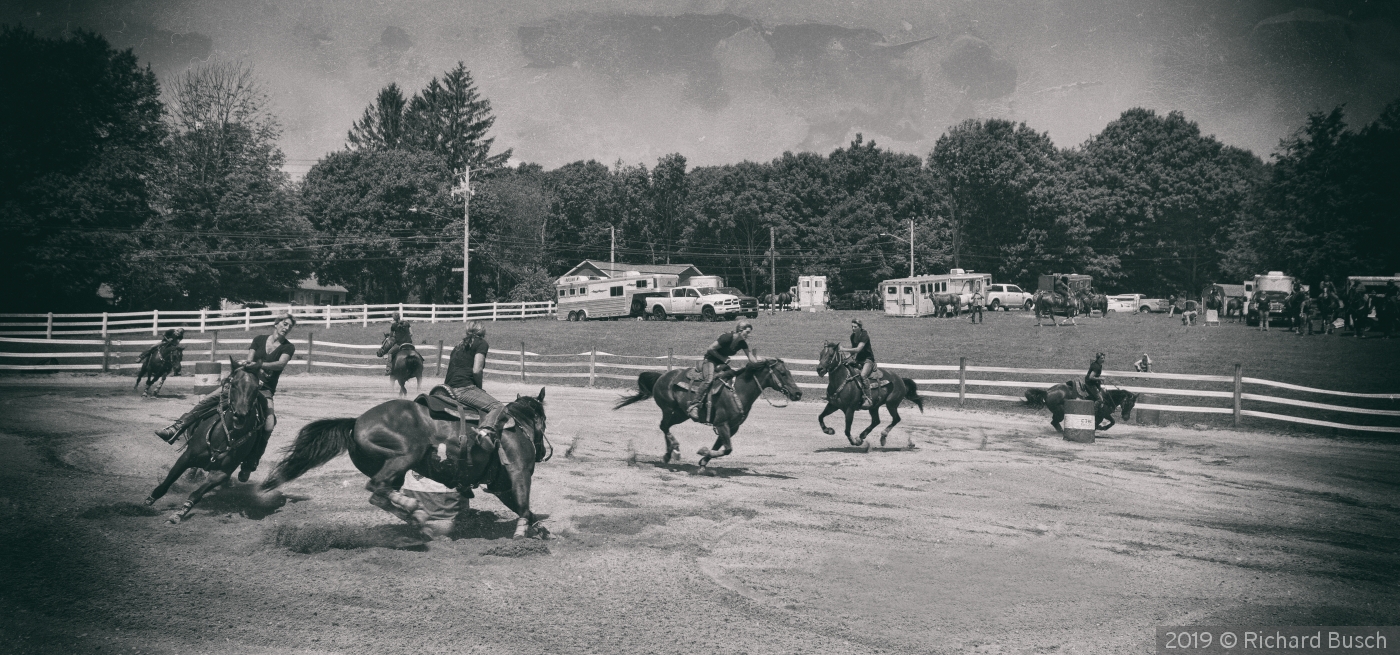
(893, 406)
(821, 418)
(673, 445)
(722, 445)
(874, 421)
(1056, 416)
(384, 496)
(160, 384)
(1108, 418)
(850, 417)
(181, 465)
(216, 478)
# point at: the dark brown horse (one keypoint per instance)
(1234, 309)
(1050, 304)
(220, 442)
(157, 364)
(395, 436)
(848, 397)
(1089, 300)
(952, 301)
(408, 365)
(729, 407)
(1054, 399)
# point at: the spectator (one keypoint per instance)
(1143, 365)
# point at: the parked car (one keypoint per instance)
(1156, 305)
(748, 305)
(704, 303)
(1006, 296)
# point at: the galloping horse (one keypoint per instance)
(156, 364)
(730, 408)
(1050, 304)
(407, 365)
(848, 397)
(395, 436)
(242, 414)
(1054, 398)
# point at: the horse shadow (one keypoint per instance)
(481, 524)
(243, 499)
(857, 450)
(309, 539)
(722, 472)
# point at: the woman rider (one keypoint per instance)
(400, 332)
(269, 353)
(465, 373)
(170, 344)
(1093, 380)
(865, 357)
(726, 346)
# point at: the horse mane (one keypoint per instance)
(753, 368)
(525, 408)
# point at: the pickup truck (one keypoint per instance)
(705, 303)
(1006, 296)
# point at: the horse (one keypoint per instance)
(728, 409)
(1329, 307)
(398, 435)
(407, 365)
(1049, 304)
(848, 397)
(778, 302)
(156, 364)
(1388, 315)
(241, 416)
(1089, 300)
(1054, 399)
(952, 301)
(1356, 308)
(1234, 309)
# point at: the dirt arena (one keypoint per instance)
(974, 532)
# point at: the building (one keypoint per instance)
(591, 270)
(312, 292)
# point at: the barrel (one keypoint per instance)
(1079, 421)
(206, 377)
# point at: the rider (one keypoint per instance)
(465, 375)
(1062, 288)
(1093, 380)
(865, 357)
(400, 332)
(269, 354)
(170, 343)
(1325, 286)
(715, 365)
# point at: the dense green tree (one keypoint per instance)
(732, 208)
(669, 192)
(450, 118)
(81, 135)
(382, 125)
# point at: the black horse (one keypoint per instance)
(728, 409)
(848, 397)
(1054, 398)
(398, 435)
(218, 443)
(1234, 309)
(779, 302)
(157, 364)
(408, 365)
(1050, 304)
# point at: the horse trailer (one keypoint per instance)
(590, 298)
(912, 296)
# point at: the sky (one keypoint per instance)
(725, 81)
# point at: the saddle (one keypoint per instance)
(695, 377)
(448, 451)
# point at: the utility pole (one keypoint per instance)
(612, 252)
(773, 267)
(466, 192)
(911, 247)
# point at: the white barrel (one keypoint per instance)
(1079, 421)
(206, 377)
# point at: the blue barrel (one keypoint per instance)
(1079, 421)
(206, 377)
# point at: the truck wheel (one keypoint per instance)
(996, 304)
(658, 312)
(707, 313)
(1029, 306)
(638, 310)
(1144, 309)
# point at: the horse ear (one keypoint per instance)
(232, 363)
(541, 396)
(517, 396)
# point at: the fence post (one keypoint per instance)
(155, 321)
(495, 306)
(438, 371)
(592, 365)
(522, 310)
(400, 310)
(201, 320)
(328, 317)
(106, 353)
(310, 346)
(522, 361)
(670, 357)
(962, 379)
(104, 325)
(1239, 387)
(247, 319)
(48, 331)
(214, 347)
(364, 318)
(433, 316)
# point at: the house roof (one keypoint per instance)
(611, 269)
(311, 284)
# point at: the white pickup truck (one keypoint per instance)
(705, 303)
(1006, 296)
(1135, 302)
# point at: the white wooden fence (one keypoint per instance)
(1163, 392)
(206, 320)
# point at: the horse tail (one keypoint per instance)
(1035, 397)
(911, 394)
(645, 382)
(317, 443)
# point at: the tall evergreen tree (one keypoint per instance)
(382, 125)
(450, 118)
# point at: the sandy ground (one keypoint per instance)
(990, 535)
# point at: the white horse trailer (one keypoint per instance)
(910, 296)
(811, 293)
(583, 299)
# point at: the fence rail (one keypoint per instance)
(206, 320)
(1162, 390)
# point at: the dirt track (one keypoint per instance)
(992, 535)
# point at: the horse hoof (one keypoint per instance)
(667, 458)
(174, 519)
(828, 431)
(150, 501)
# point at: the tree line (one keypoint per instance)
(179, 201)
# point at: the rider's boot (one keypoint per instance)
(693, 411)
(389, 365)
(172, 431)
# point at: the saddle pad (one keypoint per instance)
(443, 407)
(713, 390)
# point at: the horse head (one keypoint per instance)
(829, 358)
(774, 374)
(529, 409)
(241, 391)
(1125, 399)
